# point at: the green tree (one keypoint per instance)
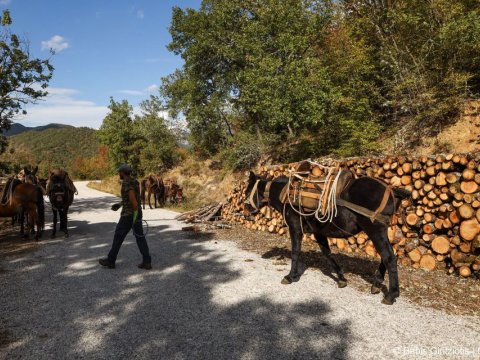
(321, 76)
(426, 55)
(258, 67)
(157, 141)
(119, 134)
(23, 79)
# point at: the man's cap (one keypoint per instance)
(124, 168)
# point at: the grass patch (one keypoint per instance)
(109, 185)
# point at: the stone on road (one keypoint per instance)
(202, 300)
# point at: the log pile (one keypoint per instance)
(204, 214)
(441, 229)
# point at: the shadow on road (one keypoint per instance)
(365, 268)
(193, 304)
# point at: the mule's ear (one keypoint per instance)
(252, 177)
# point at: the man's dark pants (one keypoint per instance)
(121, 231)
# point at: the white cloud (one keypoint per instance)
(61, 106)
(56, 43)
(148, 90)
(152, 88)
(5, 2)
(140, 14)
(131, 92)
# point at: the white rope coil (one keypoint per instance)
(328, 195)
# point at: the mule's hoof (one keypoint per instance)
(286, 281)
(341, 283)
(386, 301)
(66, 235)
(53, 236)
(375, 290)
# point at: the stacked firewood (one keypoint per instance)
(441, 226)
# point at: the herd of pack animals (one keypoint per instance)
(22, 199)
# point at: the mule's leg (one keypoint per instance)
(54, 232)
(22, 225)
(323, 242)
(378, 234)
(65, 222)
(379, 277)
(39, 227)
(35, 220)
(296, 238)
(149, 198)
(30, 217)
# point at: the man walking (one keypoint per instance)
(131, 216)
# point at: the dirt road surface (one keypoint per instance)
(204, 299)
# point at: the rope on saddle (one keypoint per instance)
(327, 205)
(328, 201)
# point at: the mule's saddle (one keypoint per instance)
(313, 193)
(306, 190)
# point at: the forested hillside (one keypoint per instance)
(76, 149)
(17, 128)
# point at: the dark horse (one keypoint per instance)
(366, 192)
(19, 198)
(153, 184)
(173, 192)
(60, 191)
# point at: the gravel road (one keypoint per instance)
(204, 299)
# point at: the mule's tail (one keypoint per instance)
(40, 207)
(401, 194)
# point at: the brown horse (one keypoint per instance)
(153, 184)
(173, 192)
(19, 198)
(60, 191)
(30, 177)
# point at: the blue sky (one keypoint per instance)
(103, 48)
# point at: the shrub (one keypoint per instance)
(244, 152)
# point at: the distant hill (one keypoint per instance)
(57, 146)
(19, 128)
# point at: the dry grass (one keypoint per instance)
(202, 183)
(109, 185)
(462, 136)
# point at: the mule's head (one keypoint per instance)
(58, 194)
(254, 200)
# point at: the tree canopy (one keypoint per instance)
(321, 76)
(144, 141)
(23, 79)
